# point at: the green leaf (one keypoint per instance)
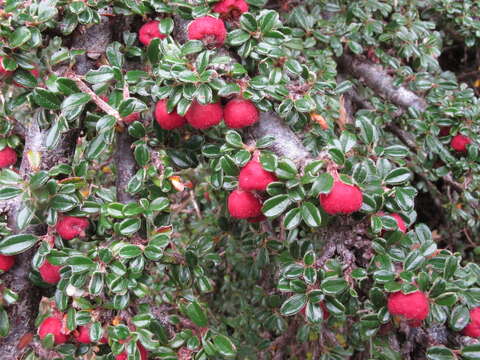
(293, 304)
(196, 314)
(73, 105)
(334, 286)
(398, 176)
(292, 218)
(101, 75)
(322, 185)
(224, 346)
(440, 353)
(276, 205)
(4, 323)
(130, 251)
(129, 226)
(19, 37)
(16, 244)
(63, 202)
(9, 192)
(46, 99)
(471, 352)
(459, 317)
(311, 215)
(234, 139)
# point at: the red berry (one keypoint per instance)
(52, 325)
(8, 157)
(6, 262)
(150, 31)
(239, 113)
(166, 120)
(473, 327)
(459, 143)
(69, 227)
(208, 29)
(342, 199)
(254, 177)
(131, 118)
(143, 353)
(413, 306)
(244, 205)
(204, 116)
(49, 273)
(2, 69)
(82, 335)
(231, 8)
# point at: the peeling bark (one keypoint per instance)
(286, 142)
(377, 78)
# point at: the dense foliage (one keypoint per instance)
(368, 93)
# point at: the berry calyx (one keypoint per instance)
(49, 273)
(52, 325)
(413, 307)
(239, 113)
(342, 199)
(141, 349)
(231, 8)
(6, 262)
(208, 29)
(3, 71)
(473, 327)
(254, 177)
(150, 31)
(69, 227)
(82, 335)
(204, 116)
(444, 131)
(243, 205)
(166, 120)
(459, 143)
(8, 157)
(131, 118)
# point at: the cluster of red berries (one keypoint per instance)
(238, 113)
(244, 202)
(208, 29)
(54, 325)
